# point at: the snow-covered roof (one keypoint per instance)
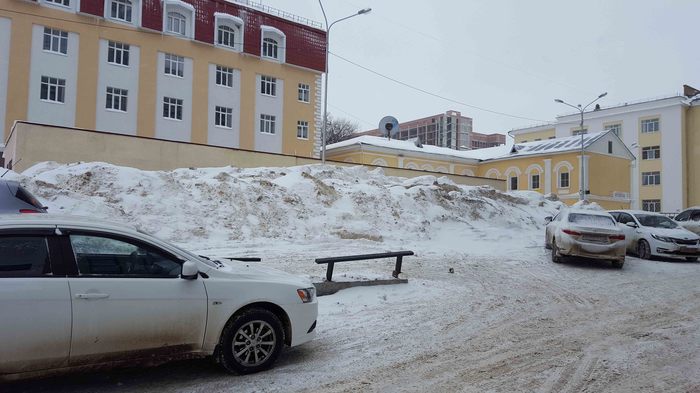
(549, 146)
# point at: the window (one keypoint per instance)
(535, 181)
(106, 256)
(552, 137)
(651, 178)
(514, 183)
(268, 85)
(579, 132)
(651, 153)
(121, 10)
(224, 76)
(223, 117)
(53, 89)
(177, 23)
(267, 124)
(55, 41)
(226, 36)
(172, 108)
(65, 3)
(118, 53)
(304, 92)
(303, 129)
(24, 256)
(116, 99)
(651, 205)
(564, 180)
(624, 218)
(651, 125)
(270, 48)
(610, 147)
(615, 128)
(174, 65)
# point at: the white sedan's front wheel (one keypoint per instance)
(556, 258)
(251, 342)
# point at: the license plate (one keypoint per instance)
(688, 250)
(595, 238)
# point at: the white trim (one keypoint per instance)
(135, 13)
(493, 171)
(511, 170)
(281, 46)
(183, 6)
(380, 162)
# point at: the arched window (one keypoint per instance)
(270, 48)
(121, 10)
(226, 36)
(177, 23)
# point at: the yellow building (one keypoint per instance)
(551, 166)
(224, 73)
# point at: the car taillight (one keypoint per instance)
(617, 237)
(28, 211)
(570, 232)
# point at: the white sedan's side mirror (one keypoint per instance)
(189, 270)
(631, 224)
(548, 219)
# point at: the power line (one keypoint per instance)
(431, 93)
(351, 115)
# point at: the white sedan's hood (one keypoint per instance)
(678, 233)
(253, 271)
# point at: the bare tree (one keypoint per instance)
(338, 129)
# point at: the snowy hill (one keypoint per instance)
(229, 207)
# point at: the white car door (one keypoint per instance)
(631, 233)
(35, 304)
(129, 300)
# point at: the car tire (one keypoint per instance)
(691, 259)
(618, 264)
(546, 242)
(255, 332)
(555, 250)
(643, 249)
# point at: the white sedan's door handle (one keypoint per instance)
(91, 295)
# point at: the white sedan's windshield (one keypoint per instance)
(654, 221)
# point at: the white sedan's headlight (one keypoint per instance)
(307, 294)
(662, 238)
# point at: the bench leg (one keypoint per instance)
(329, 271)
(397, 269)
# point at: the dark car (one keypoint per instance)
(16, 199)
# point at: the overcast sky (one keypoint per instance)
(510, 56)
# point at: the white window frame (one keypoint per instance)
(59, 87)
(235, 24)
(58, 3)
(649, 126)
(654, 150)
(532, 181)
(646, 203)
(510, 182)
(118, 49)
(135, 8)
(223, 117)
(267, 124)
(652, 178)
(171, 106)
(568, 180)
(224, 76)
(118, 98)
(175, 64)
(268, 85)
(184, 9)
(615, 127)
(578, 132)
(279, 37)
(302, 129)
(304, 91)
(57, 39)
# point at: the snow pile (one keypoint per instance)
(225, 207)
(587, 205)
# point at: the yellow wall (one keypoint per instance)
(90, 30)
(66, 145)
(361, 156)
(531, 136)
(692, 154)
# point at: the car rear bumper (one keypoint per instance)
(615, 251)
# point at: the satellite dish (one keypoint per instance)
(389, 126)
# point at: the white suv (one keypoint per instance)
(77, 292)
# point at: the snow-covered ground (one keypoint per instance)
(506, 319)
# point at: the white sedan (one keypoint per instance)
(77, 292)
(652, 234)
(585, 233)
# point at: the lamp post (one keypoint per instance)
(325, 89)
(582, 187)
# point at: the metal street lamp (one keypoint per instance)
(582, 190)
(325, 89)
